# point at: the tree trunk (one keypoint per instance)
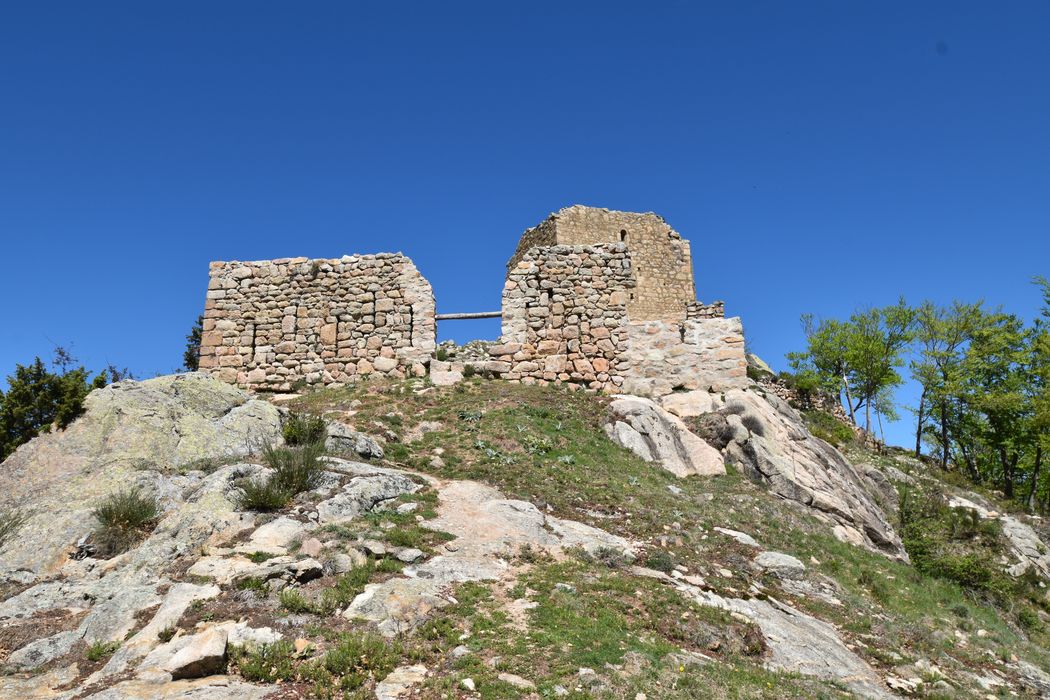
(944, 435)
(918, 427)
(849, 400)
(1008, 472)
(971, 468)
(1035, 477)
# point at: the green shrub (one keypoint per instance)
(262, 496)
(346, 588)
(469, 371)
(441, 354)
(828, 428)
(267, 663)
(100, 650)
(304, 429)
(357, 658)
(295, 469)
(124, 518)
(952, 543)
(295, 602)
(660, 561)
(1029, 620)
(252, 583)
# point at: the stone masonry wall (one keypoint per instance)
(272, 324)
(696, 309)
(564, 309)
(697, 354)
(660, 257)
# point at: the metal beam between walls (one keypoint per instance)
(460, 317)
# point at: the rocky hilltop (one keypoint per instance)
(485, 540)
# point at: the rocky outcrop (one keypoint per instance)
(131, 434)
(769, 441)
(655, 435)
(488, 529)
(1028, 550)
(342, 439)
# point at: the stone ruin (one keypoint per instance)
(593, 298)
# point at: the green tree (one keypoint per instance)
(38, 398)
(192, 356)
(1039, 390)
(997, 375)
(825, 360)
(875, 347)
(941, 334)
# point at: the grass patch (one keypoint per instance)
(267, 663)
(828, 428)
(124, 518)
(97, 651)
(355, 660)
(294, 601)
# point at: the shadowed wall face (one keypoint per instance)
(275, 324)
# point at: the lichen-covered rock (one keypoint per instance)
(344, 439)
(362, 493)
(131, 434)
(655, 435)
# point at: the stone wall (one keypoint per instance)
(662, 357)
(697, 309)
(564, 310)
(661, 258)
(273, 324)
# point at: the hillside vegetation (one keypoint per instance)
(502, 547)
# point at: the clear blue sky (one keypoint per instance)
(819, 156)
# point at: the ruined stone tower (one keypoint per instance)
(660, 257)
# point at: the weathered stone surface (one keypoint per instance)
(210, 688)
(799, 643)
(698, 355)
(203, 655)
(771, 443)
(653, 434)
(439, 378)
(488, 529)
(275, 536)
(127, 428)
(344, 439)
(363, 493)
(400, 682)
(741, 537)
(780, 565)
